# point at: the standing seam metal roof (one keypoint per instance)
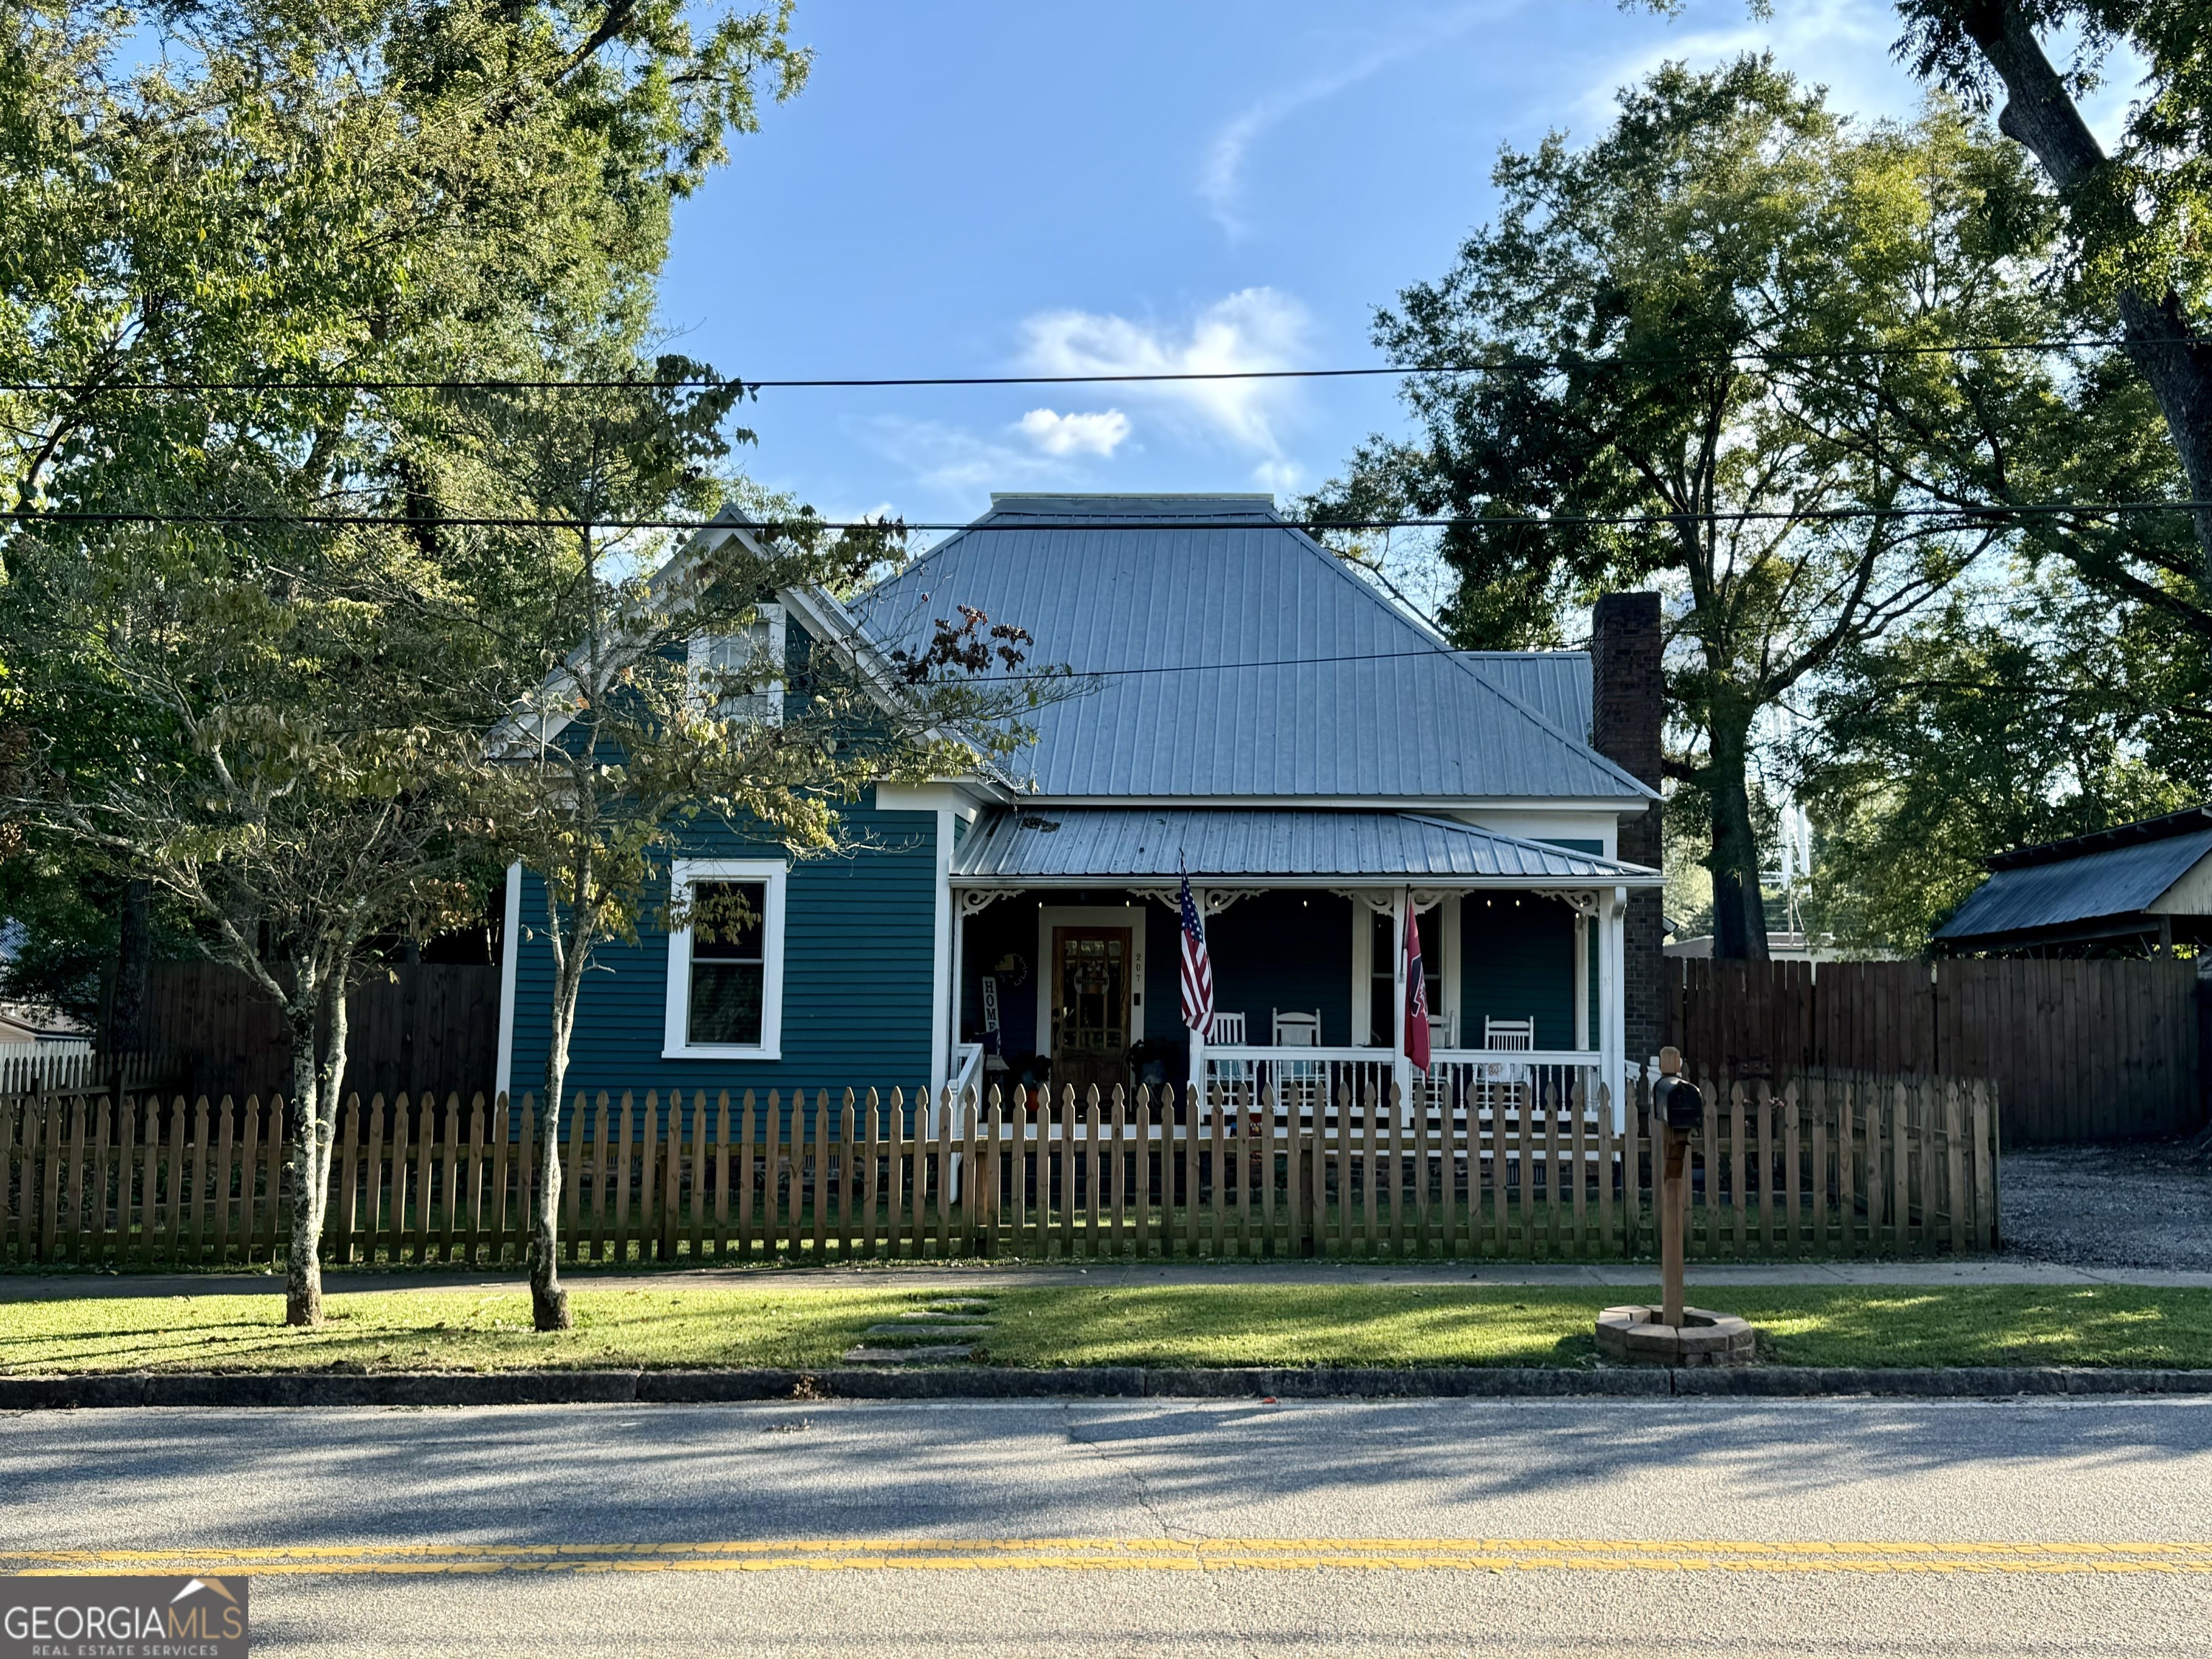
(1023, 844)
(1241, 659)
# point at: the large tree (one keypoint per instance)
(1683, 356)
(2133, 219)
(223, 219)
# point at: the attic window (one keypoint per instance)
(743, 672)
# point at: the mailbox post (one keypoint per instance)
(1673, 1334)
(1681, 1109)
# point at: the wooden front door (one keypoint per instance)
(1089, 1006)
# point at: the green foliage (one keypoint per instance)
(277, 721)
(1710, 310)
(2009, 718)
(2138, 222)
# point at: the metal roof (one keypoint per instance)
(2118, 881)
(1555, 684)
(2120, 835)
(1238, 657)
(1023, 845)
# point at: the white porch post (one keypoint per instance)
(959, 950)
(1401, 1069)
(1582, 926)
(1612, 1034)
(941, 999)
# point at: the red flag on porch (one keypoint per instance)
(1417, 995)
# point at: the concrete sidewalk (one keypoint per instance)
(930, 1276)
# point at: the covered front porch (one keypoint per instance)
(1066, 957)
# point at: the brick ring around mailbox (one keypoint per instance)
(1668, 1333)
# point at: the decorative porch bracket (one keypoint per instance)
(1378, 899)
(973, 900)
(1581, 901)
(1216, 899)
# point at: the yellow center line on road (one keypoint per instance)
(1151, 1555)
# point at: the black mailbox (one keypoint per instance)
(1679, 1102)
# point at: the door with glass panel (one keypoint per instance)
(1091, 1007)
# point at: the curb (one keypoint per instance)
(390, 1389)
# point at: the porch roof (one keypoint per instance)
(1040, 847)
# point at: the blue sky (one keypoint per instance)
(986, 186)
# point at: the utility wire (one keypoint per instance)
(745, 387)
(1980, 514)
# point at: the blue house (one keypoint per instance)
(1317, 759)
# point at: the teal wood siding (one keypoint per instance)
(1516, 958)
(858, 938)
(1289, 951)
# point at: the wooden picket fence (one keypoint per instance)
(1827, 1165)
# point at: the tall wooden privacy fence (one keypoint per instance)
(2089, 1050)
(1823, 1166)
(411, 1025)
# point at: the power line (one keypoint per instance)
(747, 387)
(1967, 515)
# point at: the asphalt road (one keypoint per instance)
(1101, 1528)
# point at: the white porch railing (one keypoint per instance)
(1490, 1087)
(961, 1092)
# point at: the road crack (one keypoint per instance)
(1128, 1467)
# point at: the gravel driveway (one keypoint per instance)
(2137, 1204)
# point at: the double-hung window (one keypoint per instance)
(742, 673)
(726, 993)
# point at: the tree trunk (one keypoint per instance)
(1739, 913)
(303, 1265)
(134, 956)
(549, 1298)
(318, 1058)
(2041, 114)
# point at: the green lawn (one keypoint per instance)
(664, 1324)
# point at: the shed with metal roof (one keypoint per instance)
(2134, 888)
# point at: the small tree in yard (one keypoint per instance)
(669, 707)
(272, 756)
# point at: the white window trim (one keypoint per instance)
(682, 875)
(776, 619)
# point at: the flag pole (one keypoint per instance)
(1401, 1070)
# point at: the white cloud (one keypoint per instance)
(1256, 328)
(953, 460)
(1221, 170)
(1278, 477)
(1098, 434)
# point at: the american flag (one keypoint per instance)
(1197, 968)
(1417, 995)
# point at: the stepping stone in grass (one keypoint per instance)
(942, 1315)
(920, 1355)
(931, 1333)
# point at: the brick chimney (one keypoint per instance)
(1628, 714)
